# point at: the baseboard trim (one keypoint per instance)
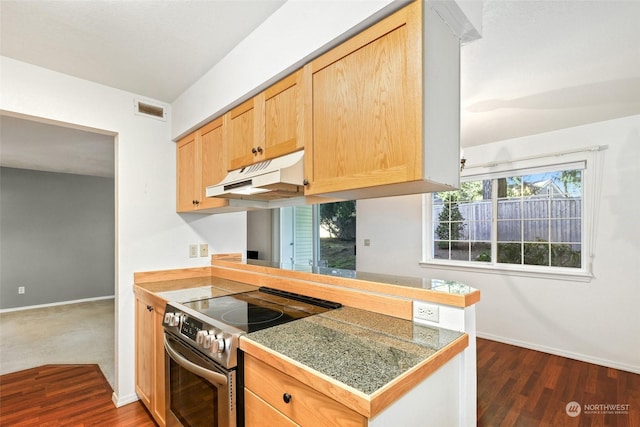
(54, 304)
(563, 353)
(118, 402)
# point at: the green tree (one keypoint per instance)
(339, 218)
(470, 191)
(450, 220)
(571, 179)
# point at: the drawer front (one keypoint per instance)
(258, 413)
(305, 406)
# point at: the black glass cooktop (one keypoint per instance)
(266, 307)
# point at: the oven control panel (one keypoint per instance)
(190, 327)
(210, 340)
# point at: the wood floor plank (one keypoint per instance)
(516, 387)
(64, 395)
(520, 387)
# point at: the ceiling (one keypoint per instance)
(28, 144)
(540, 65)
(152, 48)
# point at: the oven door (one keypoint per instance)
(199, 392)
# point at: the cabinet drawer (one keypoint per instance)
(259, 413)
(306, 406)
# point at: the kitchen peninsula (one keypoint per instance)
(366, 363)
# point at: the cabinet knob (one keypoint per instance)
(286, 397)
(305, 182)
(259, 149)
(254, 151)
(149, 308)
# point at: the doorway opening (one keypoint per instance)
(58, 226)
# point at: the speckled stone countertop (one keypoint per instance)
(361, 349)
(431, 283)
(191, 289)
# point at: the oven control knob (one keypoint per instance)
(175, 320)
(168, 317)
(172, 319)
(217, 345)
(200, 337)
(209, 338)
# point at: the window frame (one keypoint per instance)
(584, 159)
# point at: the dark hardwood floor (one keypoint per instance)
(520, 387)
(64, 395)
(516, 387)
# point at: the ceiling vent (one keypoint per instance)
(143, 108)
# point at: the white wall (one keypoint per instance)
(149, 234)
(259, 236)
(596, 321)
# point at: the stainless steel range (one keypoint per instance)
(201, 343)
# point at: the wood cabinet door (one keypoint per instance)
(158, 403)
(144, 352)
(187, 185)
(212, 162)
(242, 138)
(284, 116)
(269, 125)
(366, 108)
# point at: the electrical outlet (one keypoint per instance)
(21, 290)
(204, 250)
(424, 311)
(193, 251)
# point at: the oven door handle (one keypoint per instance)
(211, 376)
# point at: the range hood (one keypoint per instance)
(274, 179)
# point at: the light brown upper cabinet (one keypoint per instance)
(200, 162)
(269, 125)
(372, 123)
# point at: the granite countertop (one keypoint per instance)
(430, 283)
(361, 349)
(196, 288)
(361, 358)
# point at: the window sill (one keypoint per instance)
(573, 276)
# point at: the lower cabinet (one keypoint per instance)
(275, 399)
(150, 371)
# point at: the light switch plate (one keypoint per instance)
(193, 251)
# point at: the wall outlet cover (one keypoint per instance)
(204, 250)
(425, 311)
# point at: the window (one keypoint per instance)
(337, 235)
(321, 235)
(526, 220)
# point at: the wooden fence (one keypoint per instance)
(555, 220)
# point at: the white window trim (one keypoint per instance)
(592, 177)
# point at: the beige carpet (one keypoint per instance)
(66, 334)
